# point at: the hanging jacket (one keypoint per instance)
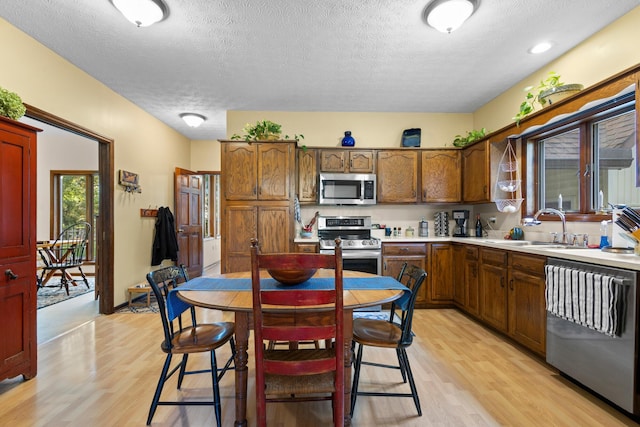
(165, 243)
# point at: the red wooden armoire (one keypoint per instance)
(18, 344)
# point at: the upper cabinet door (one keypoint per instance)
(274, 170)
(240, 179)
(441, 180)
(307, 175)
(361, 161)
(397, 176)
(333, 161)
(475, 170)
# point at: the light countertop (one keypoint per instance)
(593, 256)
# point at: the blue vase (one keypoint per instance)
(348, 140)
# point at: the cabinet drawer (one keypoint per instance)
(404, 248)
(494, 257)
(471, 253)
(308, 248)
(529, 263)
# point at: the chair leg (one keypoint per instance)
(183, 368)
(156, 396)
(86, 282)
(216, 389)
(64, 282)
(403, 368)
(356, 379)
(412, 384)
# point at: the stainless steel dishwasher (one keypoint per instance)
(604, 363)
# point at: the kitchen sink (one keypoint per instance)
(550, 245)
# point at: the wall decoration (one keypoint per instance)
(129, 181)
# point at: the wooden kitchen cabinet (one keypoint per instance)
(257, 171)
(527, 313)
(493, 283)
(476, 174)
(307, 248)
(268, 223)
(441, 177)
(472, 281)
(458, 274)
(394, 255)
(441, 272)
(307, 175)
(397, 176)
(258, 182)
(347, 161)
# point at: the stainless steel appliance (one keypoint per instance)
(604, 363)
(360, 251)
(461, 218)
(347, 189)
(441, 224)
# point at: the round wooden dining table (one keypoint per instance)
(240, 303)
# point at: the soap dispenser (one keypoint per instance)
(604, 240)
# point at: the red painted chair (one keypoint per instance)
(303, 374)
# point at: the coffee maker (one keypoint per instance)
(461, 218)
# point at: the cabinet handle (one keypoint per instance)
(511, 284)
(484, 189)
(351, 163)
(424, 196)
(404, 249)
(384, 266)
(10, 274)
(502, 282)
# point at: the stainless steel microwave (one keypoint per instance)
(347, 189)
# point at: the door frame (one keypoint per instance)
(105, 222)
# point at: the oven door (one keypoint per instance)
(366, 261)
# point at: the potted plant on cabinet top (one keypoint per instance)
(550, 90)
(263, 130)
(11, 105)
(472, 136)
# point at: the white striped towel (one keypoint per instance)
(589, 299)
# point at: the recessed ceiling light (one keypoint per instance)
(540, 47)
(192, 119)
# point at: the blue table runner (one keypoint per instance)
(175, 306)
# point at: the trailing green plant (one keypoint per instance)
(263, 129)
(11, 104)
(472, 136)
(532, 97)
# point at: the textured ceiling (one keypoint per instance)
(211, 56)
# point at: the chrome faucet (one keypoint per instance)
(535, 221)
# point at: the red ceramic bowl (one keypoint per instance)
(292, 277)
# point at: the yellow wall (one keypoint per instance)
(143, 144)
(370, 130)
(608, 52)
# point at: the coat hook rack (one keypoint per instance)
(149, 213)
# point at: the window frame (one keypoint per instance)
(583, 121)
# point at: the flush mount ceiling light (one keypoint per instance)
(540, 48)
(142, 12)
(192, 119)
(448, 15)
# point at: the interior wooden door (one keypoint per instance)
(188, 218)
(18, 345)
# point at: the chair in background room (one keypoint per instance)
(66, 252)
(184, 340)
(302, 374)
(390, 334)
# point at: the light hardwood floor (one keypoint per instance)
(103, 373)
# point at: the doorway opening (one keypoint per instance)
(103, 234)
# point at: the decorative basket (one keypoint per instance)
(509, 186)
(509, 166)
(508, 205)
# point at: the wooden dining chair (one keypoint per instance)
(65, 253)
(302, 374)
(394, 333)
(186, 339)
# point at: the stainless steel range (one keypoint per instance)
(360, 251)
